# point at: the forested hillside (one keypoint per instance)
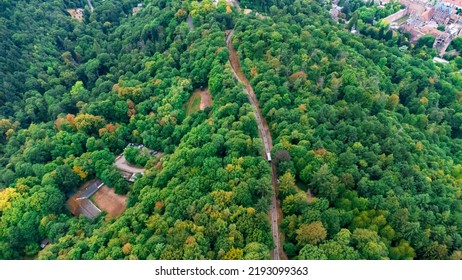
(373, 134)
(366, 138)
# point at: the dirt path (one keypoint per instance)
(264, 133)
(309, 196)
(206, 99)
(263, 129)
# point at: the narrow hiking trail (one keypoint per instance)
(264, 133)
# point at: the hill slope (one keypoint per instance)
(366, 138)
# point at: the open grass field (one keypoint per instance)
(199, 100)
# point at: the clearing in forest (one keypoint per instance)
(89, 203)
(109, 201)
(76, 13)
(199, 100)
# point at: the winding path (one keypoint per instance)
(264, 133)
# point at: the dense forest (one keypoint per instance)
(366, 137)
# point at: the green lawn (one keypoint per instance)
(193, 104)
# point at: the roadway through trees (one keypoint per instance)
(264, 133)
(90, 5)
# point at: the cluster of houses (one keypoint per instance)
(77, 14)
(137, 9)
(81, 204)
(441, 19)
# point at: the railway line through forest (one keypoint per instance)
(264, 133)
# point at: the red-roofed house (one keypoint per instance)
(428, 14)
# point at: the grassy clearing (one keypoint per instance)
(193, 104)
(199, 100)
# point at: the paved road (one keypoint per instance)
(123, 165)
(265, 135)
(190, 23)
(90, 5)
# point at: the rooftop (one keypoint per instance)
(440, 60)
(453, 2)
